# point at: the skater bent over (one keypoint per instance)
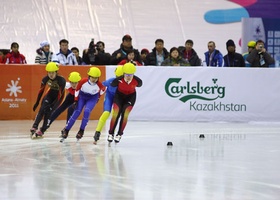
(87, 94)
(124, 100)
(74, 78)
(108, 102)
(51, 100)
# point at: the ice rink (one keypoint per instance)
(235, 161)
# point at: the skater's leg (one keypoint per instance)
(115, 118)
(44, 106)
(69, 100)
(102, 120)
(127, 107)
(40, 114)
(44, 111)
(76, 114)
(89, 105)
(70, 112)
(48, 112)
(124, 118)
(107, 107)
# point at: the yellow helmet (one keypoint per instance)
(251, 44)
(129, 68)
(74, 77)
(119, 71)
(94, 72)
(52, 67)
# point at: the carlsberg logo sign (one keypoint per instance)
(190, 92)
(193, 91)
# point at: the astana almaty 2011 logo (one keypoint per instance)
(14, 89)
(197, 91)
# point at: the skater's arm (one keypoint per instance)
(140, 82)
(79, 86)
(108, 82)
(61, 95)
(116, 81)
(41, 92)
(101, 87)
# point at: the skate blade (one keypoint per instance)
(62, 140)
(36, 137)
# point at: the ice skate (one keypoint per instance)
(110, 138)
(96, 137)
(80, 134)
(38, 135)
(117, 138)
(32, 132)
(64, 135)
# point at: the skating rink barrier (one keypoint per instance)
(168, 93)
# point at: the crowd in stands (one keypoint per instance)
(95, 54)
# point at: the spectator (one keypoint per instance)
(158, 54)
(65, 55)
(130, 58)
(76, 52)
(175, 59)
(2, 58)
(143, 54)
(121, 53)
(96, 55)
(251, 45)
(259, 56)
(190, 55)
(213, 57)
(15, 57)
(233, 59)
(44, 55)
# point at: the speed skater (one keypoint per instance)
(108, 102)
(124, 100)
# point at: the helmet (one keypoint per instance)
(251, 44)
(52, 67)
(129, 68)
(94, 72)
(119, 71)
(74, 77)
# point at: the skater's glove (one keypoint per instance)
(35, 106)
(74, 105)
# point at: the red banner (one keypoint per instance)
(19, 88)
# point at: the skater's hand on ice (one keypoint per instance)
(35, 106)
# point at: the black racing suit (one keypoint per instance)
(51, 99)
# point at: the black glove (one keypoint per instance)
(35, 106)
(74, 105)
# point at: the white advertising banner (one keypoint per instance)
(206, 94)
